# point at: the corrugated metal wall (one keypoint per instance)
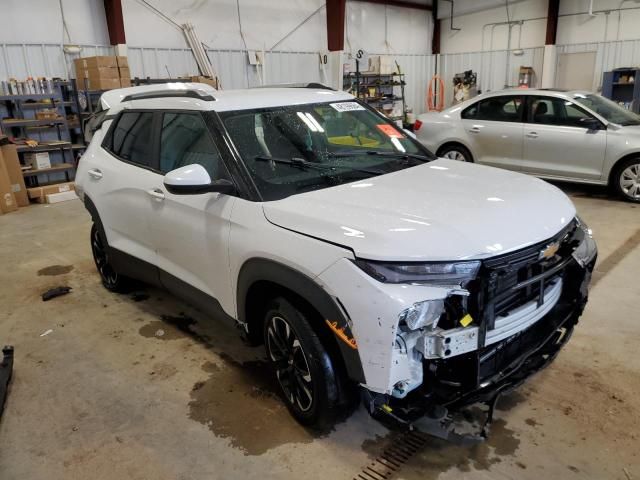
(609, 55)
(491, 68)
(23, 60)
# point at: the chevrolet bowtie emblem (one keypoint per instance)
(549, 251)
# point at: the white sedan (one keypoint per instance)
(557, 135)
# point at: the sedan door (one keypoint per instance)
(562, 140)
(494, 130)
(191, 232)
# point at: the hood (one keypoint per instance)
(442, 210)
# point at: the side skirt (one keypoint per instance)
(150, 274)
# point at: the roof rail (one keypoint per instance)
(314, 85)
(191, 93)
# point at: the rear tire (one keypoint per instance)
(111, 279)
(303, 369)
(455, 151)
(626, 180)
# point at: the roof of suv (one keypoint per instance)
(205, 97)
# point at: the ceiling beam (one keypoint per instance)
(552, 22)
(399, 3)
(115, 22)
(335, 24)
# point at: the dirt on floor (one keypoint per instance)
(141, 386)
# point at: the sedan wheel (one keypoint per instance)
(630, 181)
(455, 152)
(455, 155)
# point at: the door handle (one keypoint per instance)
(532, 135)
(475, 129)
(156, 193)
(95, 174)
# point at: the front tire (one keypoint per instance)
(626, 180)
(457, 152)
(304, 371)
(111, 279)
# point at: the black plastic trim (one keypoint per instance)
(168, 94)
(261, 269)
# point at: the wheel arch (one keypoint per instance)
(616, 164)
(456, 142)
(261, 279)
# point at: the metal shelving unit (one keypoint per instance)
(622, 85)
(377, 89)
(18, 120)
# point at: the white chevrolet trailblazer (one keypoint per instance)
(321, 229)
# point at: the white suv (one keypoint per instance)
(320, 228)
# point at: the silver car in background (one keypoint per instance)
(557, 135)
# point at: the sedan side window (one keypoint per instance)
(556, 111)
(186, 140)
(132, 136)
(470, 112)
(506, 108)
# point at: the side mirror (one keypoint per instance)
(591, 123)
(193, 180)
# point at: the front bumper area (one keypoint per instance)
(482, 375)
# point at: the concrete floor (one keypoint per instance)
(130, 387)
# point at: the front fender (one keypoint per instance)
(334, 325)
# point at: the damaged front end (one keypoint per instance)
(488, 334)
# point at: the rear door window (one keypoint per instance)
(131, 138)
(506, 108)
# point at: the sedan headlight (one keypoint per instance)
(432, 273)
(587, 250)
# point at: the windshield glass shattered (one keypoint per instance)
(608, 109)
(299, 148)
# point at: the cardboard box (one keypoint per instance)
(100, 83)
(38, 160)
(9, 154)
(95, 62)
(124, 72)
(207, 80)
(7, 198)
(61, 197)
(98, 73)
(122, 62)
(39, 194)
(125, 82)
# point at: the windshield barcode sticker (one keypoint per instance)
(347, 106)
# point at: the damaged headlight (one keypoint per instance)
(432, 273)
(586, 251)
(423, 314)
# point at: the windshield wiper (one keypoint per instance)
(303, 164)
(352, 153)
(294, 162)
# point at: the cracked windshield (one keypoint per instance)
(291, 150)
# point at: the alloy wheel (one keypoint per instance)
(107, 273)
(455, 155)
(630, 181)
(291, 365)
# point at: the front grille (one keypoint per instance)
(514, 279)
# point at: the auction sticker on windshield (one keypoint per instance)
(347, 106)
(389, 131)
